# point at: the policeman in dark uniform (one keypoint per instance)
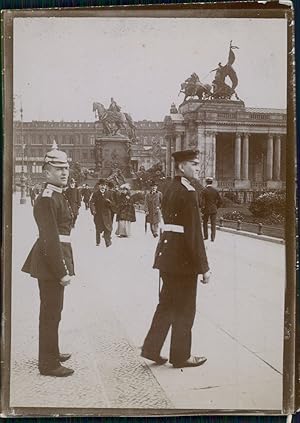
(180, 257)
(211, 200)
(51, 260)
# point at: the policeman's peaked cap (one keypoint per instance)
(56, 158)
(209, 179)
(102, 182)
(185, 155)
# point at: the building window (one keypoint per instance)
(92, 140)
(84, 155)
(92, 154)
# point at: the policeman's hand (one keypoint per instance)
(65, 280)
(206, 277)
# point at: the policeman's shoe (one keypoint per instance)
(64, 357)
(193, 361)
(108, 244)
(60, 371)
(158, 359)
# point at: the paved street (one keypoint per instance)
(108, 310)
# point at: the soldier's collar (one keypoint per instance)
(55, 188)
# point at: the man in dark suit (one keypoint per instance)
(51, 260)
(211, 201)
(180, 256)
(102, 207)
(73, 195)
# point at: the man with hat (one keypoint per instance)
(211, 201)
(74, 198)
(152, 208)
(50, 260)
(180, 257)
(102, 207)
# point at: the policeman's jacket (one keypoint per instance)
(211, 200)
(51, 256)
(181, 247)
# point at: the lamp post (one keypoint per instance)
(22, 178)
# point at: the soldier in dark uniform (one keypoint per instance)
(180, 256)
(211, 201)
(51, 261)
(102, 206)
(73, 195)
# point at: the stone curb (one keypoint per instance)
(252, 235)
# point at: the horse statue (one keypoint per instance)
(113, 121)
(202, 91)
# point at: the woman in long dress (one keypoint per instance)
(125, 212)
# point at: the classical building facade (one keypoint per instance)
(240, 147)
(77, 139)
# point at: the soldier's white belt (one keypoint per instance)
(173, 228)
(64, 238)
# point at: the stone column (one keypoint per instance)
(168, 155)
(210, 154)
(201, 147)
(214, 155)
(270, 157)
(178, 146)
(277, 158)
(245, 165)
(237, 159)
(172, 149)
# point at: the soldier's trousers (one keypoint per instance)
(176, 309)
(51, 305)
(213, 218)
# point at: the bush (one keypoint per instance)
(269, 204)
(232, 196)
(138, 197)
(234, 215)
(226, 203)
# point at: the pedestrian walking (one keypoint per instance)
(86, 195)
(73, 195)
(113, 190)
(125, 212)
(180, 257)
(33, 192)
(152, 208)
(211, 201)
(102, 207)
(50, 260)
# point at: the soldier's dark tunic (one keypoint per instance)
(180, 257)
(49, 260)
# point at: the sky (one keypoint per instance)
(62, 65)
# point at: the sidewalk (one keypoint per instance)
(108, 310)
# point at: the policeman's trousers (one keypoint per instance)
(213, 218)
(51, 305)
(176, 309)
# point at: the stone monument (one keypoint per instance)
(115, 132)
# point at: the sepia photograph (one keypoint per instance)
(148, 164)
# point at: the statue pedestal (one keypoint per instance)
(112, 152)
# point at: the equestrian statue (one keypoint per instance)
(113, 120)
